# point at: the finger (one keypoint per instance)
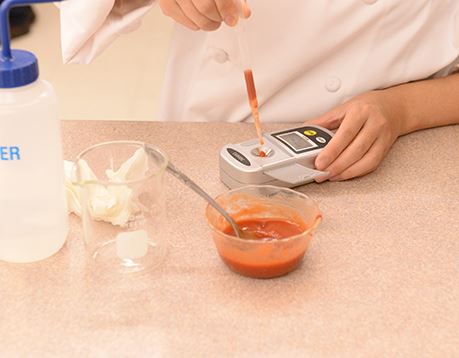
(355, 151)
(320, 179)
(228, 10)
(330, 120)
(367, 164)
(353, 121)
(208, 8)
(171, 9)
(245, 9)
(196, 17)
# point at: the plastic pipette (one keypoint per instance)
(248, 75)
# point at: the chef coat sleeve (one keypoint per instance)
(89, 26)
(453, 67)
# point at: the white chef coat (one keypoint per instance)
(307, 56)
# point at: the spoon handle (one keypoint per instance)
(197, 189)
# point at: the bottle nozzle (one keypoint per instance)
(17, 67)
(5, 8)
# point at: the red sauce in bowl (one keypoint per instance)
(271, 257)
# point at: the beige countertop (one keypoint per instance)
(381, 277)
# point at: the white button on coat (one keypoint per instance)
(295, 52)
(333, 84)
(219, 55)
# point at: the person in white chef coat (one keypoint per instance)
(372, 69)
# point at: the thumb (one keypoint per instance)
(330, 120)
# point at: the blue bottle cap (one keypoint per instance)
(17, 68)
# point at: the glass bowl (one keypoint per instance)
(264, 257)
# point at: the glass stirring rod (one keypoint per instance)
(248, 75)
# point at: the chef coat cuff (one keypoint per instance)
(88, 27)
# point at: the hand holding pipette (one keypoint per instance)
(207, 15)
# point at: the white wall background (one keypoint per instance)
(122, 84)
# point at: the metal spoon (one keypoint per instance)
(197, 189)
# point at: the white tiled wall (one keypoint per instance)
(122, 84)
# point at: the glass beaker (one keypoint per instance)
(122, 205)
